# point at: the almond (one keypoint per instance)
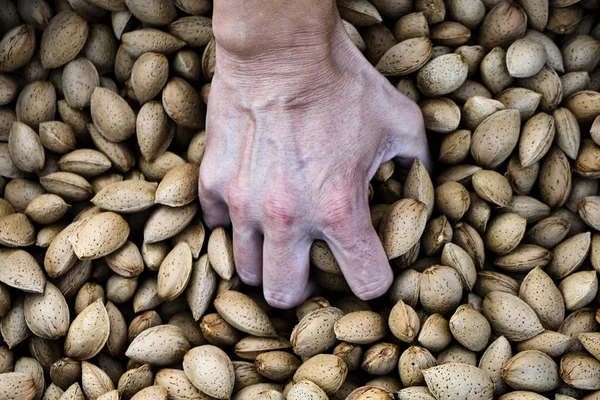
(88, 332)
(159, 346)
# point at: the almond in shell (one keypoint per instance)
(88, 332)
(63, 39)
(99, 236)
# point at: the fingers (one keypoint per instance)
(214, 209)
(407, 136)
(248, 254)
(359, 253)
(286, 270)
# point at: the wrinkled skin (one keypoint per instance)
(295, 132)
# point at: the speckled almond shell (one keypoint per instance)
(126, 197)
(277, 365)
(412, 363)
(469, 240)
(415, 393)
(360, 327)
(325, 370)
(459, 381)
(79, 79)
(404, 322)
(17, 385)
(88, 332)
(456, 257)
(149, 75)
(511, 316)
(99, 236)
(16, 231)
(73, 392)
(94, 381)
(568, 135)
(492, 361)
(202, 287)
(314, 333)
(119, 154)
(455, 147)
(220, 253)
(580, 371)
(127, 261)
(47, 314)
(179, 186)
(174, 272)
(146, 296)
(537, 136)
(196, 31)
(581, 53)
(524, 258)
(494, 73)
(71, 187)
(452, 200)
(579, 289)
(85, 162)
(418, 185)
(154, 392)
(450, 33)
(492, 187)
(177, 385)
(210, 370)
(589, 211)
(587, 163)
(569, 255)
(20, 270)
(306, 389)
(321, 257)
(505, 232)
(153, 130)
(47, 209)
(113, 117)
(442, 75)
(182, 103)
(63, 39)
(531, 370)
(158, 168)
(440, 114)
(243, 313)
(154, 12)
(435, 333)
(502, 25)
(495, 138)
(550, 342)
(17, 48)
(406, 57)
(147, 40)
(359, 12)
(25, 148)
(370, 392)
(402, 226)
(441, 289)
(548, 84)
(525, 58)
(470, 328)
(159, 346)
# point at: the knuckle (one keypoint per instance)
(337, 211)
(280, 212)
(207, 179)
(238, 199)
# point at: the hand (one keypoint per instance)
(293, 138)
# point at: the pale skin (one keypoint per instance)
(298, 122)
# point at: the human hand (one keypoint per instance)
(293, 138)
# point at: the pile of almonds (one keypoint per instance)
(110, 287)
